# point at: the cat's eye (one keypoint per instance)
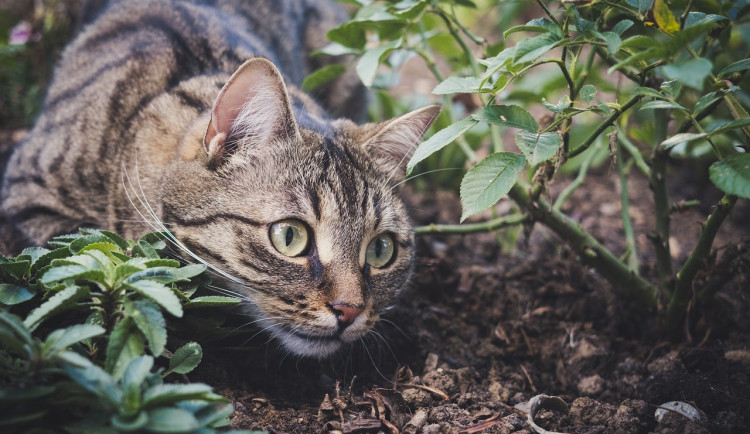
(380, 251)
(289, 237)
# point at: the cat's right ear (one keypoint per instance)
(253, 107)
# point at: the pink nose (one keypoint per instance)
(345, 313)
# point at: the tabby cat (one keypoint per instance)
(173, 114)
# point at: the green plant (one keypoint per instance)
(83, 356)
(632, 75)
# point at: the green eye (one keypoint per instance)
(289, 237)
(380, 251)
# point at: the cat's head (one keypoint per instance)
(307, 222)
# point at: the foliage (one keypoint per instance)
(81, 329)
(31, 34)
(652, 80)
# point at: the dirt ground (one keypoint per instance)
(480, 334)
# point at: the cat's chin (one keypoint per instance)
(316, 347)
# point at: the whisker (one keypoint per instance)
(425, 173)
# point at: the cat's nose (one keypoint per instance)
(345, 313)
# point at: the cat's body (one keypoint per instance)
(149, 118)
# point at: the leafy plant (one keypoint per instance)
(99, 301)
(651, 80)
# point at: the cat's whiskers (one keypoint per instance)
(160, 226)
(425, 173)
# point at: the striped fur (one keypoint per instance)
(157, 119)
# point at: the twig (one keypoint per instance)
(488, 226)
(658, 185)
(638, 159)
(608, 122)
(686, 275)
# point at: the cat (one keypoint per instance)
(188, 116)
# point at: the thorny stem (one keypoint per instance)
(470, 228)
(684, 285)
(608, 122)
(590, 250)
(658, 185)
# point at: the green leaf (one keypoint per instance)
(211, 301)
(662, 105)
(732, 175)
(691, 72)
(322, 76)
(12, 294)
(538, 147)
(622, 26)
(612, 39)
(588, 92)
(12, 327)
(124, 345)
(647, 91)
(97, 381)
(150, 321)
(61, 339)
(690, 137)
(654, 51)
(165, 394)
(126, 269)
(47, 259)
(349, 34)
(460, 85)
(533, 48)
(161, 274)
(488, 181)
(129, 423)
(186, 358)
(64, 272)
(706, 100)
(17, 268)
(137, 371)
(561, 105)
(538, 25)
(58, 301)
(169, 420)
(641, 5)
(368, 64)
(439, 140)
(738, 66)
(159, 293)
(507, 115)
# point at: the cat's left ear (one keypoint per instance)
(395, 142)
(252, 107)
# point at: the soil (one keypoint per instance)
(483, 338)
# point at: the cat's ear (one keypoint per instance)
(253, 107)
(395, 141)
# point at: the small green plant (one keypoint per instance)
(81, 328)
(649, 80)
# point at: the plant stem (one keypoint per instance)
(627, 225)
(471, 228)
(608, 122)
(684, 285)
(640, 162)
(590, 250)
(658, 185)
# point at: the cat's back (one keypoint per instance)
(133, 80)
